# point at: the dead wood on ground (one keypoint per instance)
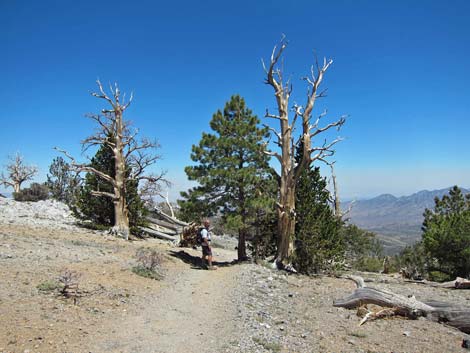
(450, 314)
(165, 227)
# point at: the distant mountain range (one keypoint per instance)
(396, 220)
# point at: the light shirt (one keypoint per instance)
(205, 235)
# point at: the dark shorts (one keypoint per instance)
(206, 251)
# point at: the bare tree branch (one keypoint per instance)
(102, 94)
(274, 154)
(339, 123)
(86, 168)
(275, 133)
(269, 115)
(103, 193)
(325, 150)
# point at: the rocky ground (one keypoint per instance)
(238, 308)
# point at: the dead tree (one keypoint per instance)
(457, 316)
(17, 173)
(458, 283)
(285, 139)
(69, 280)
(166, 227)
(131, 156)
(336, 199)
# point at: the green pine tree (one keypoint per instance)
(232, 171)
(363, 249)
(446, 234)
(62, 182)
(318, 240)
(100, 209)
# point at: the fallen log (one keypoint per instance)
(170, 219)
(172, 226)
(157, 234)
(458, 283)
(461, 283)
(457, 316)
(453, 315)
(163, 229)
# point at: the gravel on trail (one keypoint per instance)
(240, 308)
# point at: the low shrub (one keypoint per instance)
(369, 264)
(438, 276)
(48, 286)
(143, 272)
(270, 346)
(36, 192)
(148, 263)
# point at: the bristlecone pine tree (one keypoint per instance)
(231, 169)
(301, 117)
(100, 210)
(131, 157)
(318, 240)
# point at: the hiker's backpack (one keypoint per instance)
(199, 240)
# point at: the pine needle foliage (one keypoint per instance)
(99, 209)
(232, 171)
(62, 182)
(446, 234)
(318, 241)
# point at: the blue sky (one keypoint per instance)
(400, 72)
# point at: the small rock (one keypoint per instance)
(465, 343)
(407, 333)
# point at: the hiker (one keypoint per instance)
(206, 246)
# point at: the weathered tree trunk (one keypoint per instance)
(170, 229)
(171, 219)
(157, 234)
(285, 140)
(336, 199)
(17, 187)
(458, 283)
(453, 315)
(286, 222)
(169, 225)
(286, 206)
(121, 221)
(121, 225)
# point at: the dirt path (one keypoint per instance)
(189, 310)
(191, 313)
(238, 308)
